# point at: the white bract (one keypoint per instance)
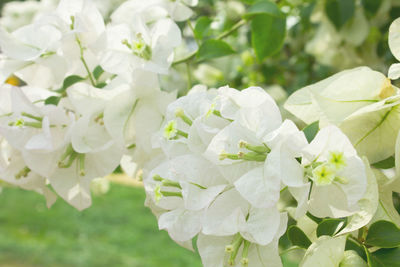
(139, 45)
(361, 102)
(330, 252)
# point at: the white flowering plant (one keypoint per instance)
(243, 177)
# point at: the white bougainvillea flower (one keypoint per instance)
(30, 127)
(136, 113)
(71, 153)
(34, 47)
(330, 251)
(183, 193)
(188, 126)
(332, 100)
(236, 250)
(338, 175)
(140, 46)
(14, 170)
(253, 114)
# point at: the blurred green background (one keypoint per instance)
(116, 231)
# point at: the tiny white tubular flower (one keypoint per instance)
(237, 250)
(330, 252)
(253, 114)
(28, 127)
(189, 123)
(338, 175)
(183, 188)
(139, 45)
(239, 147)
(332, 100)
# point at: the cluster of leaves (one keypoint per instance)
(274, 50)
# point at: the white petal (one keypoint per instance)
(368, 204)
(394, 71)
(182, 225)
(212, 249)
(394, 38)
(197, 198)
(226, 215)
(259, 188)
(262, 225)
(326, 251)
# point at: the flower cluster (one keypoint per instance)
(219, 165)
(228, 157)
(91, 93)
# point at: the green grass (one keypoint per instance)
(116, 231)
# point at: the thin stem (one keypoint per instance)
(290, 249)
(239, 24)
(189, 75)
(219, 37)
(84, 61)
(194, 34)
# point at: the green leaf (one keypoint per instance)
(268, 28)
(298, 237)
(311, 130)
(329, 227)
(202, 27)
(383, 234)
(267, 35)
(313, 218)
(371, 6)
(387, 257)
(353, 245)
(69, 81)
(263, 7)
(101, 85)
(52, 100)
(339, 11)
(385, 164)
(211, 49)
(249, 1)
(97, 72)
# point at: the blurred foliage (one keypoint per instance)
(302, 60)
